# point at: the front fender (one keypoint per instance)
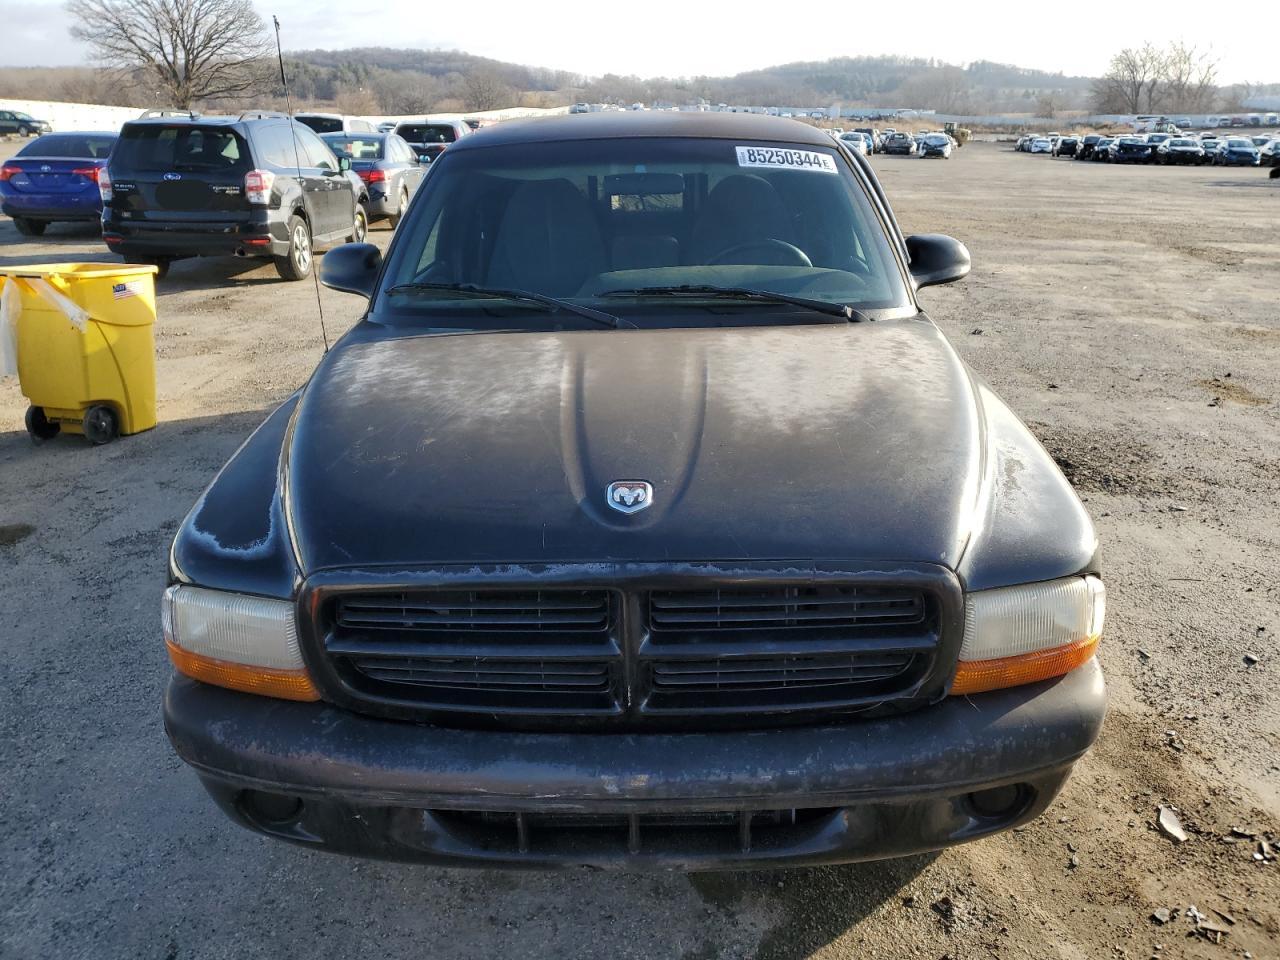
(1029, 525)
(235, 537)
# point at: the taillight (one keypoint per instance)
(7, 172)
(90, 173)
(257, 186)
(104, 185)
(373, 175)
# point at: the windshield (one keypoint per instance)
(152, 147)
(600, 222)
(70, 145)
(355, 147)
(427, 132)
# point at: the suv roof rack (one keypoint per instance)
(167, 112)
(263, 115)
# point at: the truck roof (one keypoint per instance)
(607, 126)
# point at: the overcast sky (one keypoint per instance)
(681, 38)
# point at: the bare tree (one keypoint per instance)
(1131, 81)
(1049, 105)
(484, 90)
(1189, 79)
(193, 49)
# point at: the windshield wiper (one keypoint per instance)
(529, 296)
(841, 310)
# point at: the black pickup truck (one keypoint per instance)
(643, 521)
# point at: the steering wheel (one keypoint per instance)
(789, 255)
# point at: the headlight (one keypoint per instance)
(236, 641)
(1017, 635)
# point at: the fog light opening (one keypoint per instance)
(999, 803)
(271, 809)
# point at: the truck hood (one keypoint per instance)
(825, 442)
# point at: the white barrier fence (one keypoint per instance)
(89, 116)
(74, 116)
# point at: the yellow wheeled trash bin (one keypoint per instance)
(86, 353)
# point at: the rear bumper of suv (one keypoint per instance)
(195, 238)
(52, 206)
(335, 780)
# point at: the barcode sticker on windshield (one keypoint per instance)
(786, 159)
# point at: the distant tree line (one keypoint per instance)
(219, 54)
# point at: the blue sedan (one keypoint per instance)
(54, 178)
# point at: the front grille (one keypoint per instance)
(482, 650)
(635, 656)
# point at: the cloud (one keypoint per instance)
(36, 35)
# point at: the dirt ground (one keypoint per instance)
(1128, 313)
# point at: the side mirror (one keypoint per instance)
(352, 268)
(936, 258)
(344, 163)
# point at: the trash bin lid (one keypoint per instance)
(87, 271)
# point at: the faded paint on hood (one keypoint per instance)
(832, 441)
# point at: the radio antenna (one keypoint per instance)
(297, 160)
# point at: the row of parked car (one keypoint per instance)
(169, 186)
(926, 143)
(1166, 148)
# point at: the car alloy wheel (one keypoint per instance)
(360, 225)
(300, 247)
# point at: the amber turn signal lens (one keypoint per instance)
(268, 682)
(978, 676)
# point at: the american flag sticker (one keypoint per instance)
(122, 291)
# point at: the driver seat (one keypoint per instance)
(741, 208)
(548, 240)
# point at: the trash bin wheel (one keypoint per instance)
(100, 424)
(40, 427)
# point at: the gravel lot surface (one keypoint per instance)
(1129, 314)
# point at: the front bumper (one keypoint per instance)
(335, 780)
